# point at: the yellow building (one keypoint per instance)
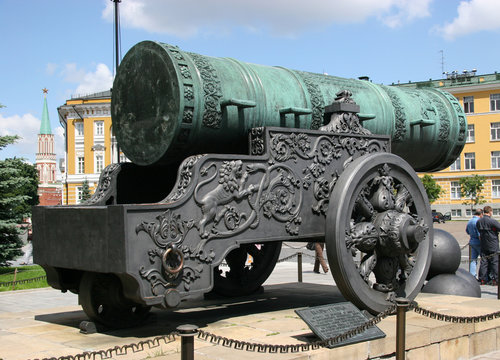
(480, 98)
(90, 144)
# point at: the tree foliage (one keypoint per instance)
(470, 190)
(18, 192)
(86, 194)
(432, 188)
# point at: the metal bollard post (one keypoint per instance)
(402, 306)
(299, 266)
(187, 333)
(14, 281)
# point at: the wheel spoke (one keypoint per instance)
(383, 212)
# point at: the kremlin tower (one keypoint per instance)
(49, 190)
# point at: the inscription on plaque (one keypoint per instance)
(328, 321)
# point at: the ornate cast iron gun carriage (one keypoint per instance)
(296, 157)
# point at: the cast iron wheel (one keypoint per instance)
(245, 276)
(379, 232)
(102, 299)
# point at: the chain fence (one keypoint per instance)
(272, 348)
(23, 281)
(120, 350)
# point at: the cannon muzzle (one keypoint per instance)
(168, 104)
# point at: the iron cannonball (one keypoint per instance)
(450, 284)
(474, 284)
(445, 254)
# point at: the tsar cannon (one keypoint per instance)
(229, 159)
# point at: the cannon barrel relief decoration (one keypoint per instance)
(327, 159)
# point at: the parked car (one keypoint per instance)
(439, 217)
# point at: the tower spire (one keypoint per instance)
(45, 125)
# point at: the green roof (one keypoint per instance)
(45, 126)
(456, 80)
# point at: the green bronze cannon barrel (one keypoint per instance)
(168, 104)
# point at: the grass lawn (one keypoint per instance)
(23, 272)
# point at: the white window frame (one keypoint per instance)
(495, 159)
(494, 102)
(456, 166)
(470, 161)
(79, 194)
(79, 129)
(468, 212)
(470, 133)
(469, 104)
(495, 131)
(456, 213)
(495, 189)
(98, 162)
(455, 190)
(80, 164)
(99, 128)
(496, 212)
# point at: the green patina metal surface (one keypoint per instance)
(168, 104)
(45, 124)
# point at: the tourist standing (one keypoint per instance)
(488, 234)
(318, 247)
(475, 245)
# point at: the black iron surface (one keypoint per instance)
(328, 321)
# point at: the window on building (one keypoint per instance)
(456, 212)
(79, 192)
(455, 190)
(79, 128)
(468, 104)
(468, 212)
(99, 163)
(494, 102)
(495, 159)
(456, 165)
(99, 128)
(496, 212)
(470, 133)
(470, 161)
(80, 161)
(495, 131)
(495, 189)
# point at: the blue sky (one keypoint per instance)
(66, 46)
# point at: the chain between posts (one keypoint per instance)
(23, 281)
(119, 350)
(273, 348)
(453, 318)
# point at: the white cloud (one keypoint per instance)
(406, 11)
(282, 17)
(99, 80)
(27, 127)
(60, 142)
(88, 82)
(473, 16)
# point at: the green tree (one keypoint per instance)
(18, 184)
(86, 194)
(432, 188)
(470, 190)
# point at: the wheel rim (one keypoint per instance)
(102, 299)
(379, 232)
(247, 268)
